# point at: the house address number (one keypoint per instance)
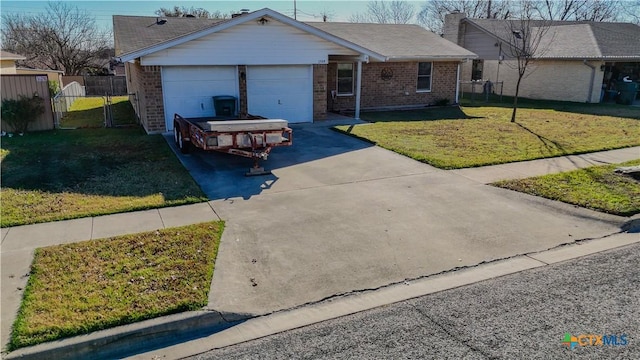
(322, 61)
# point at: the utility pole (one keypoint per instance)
(295, 11)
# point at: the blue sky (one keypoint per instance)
(308, 10)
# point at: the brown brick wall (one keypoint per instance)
(242, 82)
(146, 83)
(400, 90)
(319, 91)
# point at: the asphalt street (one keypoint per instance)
(520, 316)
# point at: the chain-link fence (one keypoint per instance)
(480, 90)
(74, 111)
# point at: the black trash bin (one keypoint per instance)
(225, 105)
(627, 92)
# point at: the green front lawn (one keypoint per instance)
(451, 138)
(597, 188)
(87, 286)
(66, 174)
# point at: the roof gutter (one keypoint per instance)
(593, 75)
(431, 58)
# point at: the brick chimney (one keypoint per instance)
(452, 27)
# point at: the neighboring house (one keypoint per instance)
(578, 61)
(8, 62)
(278, 67)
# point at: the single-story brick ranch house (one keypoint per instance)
(278, 67)
(581, 61)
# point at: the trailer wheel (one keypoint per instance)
(184, 146)
(176, 130)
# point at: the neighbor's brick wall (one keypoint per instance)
(320, 91)
(549, 79)
(146, 83)
(400, 90)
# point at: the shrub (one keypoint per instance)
(442, 102)
(18, 114)
(54, 87)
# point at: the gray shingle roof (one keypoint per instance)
(133, 33)
(577, 39)
(395, 41)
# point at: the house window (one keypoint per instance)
(345, 79)
(424, 76)
(476, 70)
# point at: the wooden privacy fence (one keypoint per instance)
(13, 86)
(105, 85)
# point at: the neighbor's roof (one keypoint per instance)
(5, 55)
(396, 41)
(137, 36)
(577, 39)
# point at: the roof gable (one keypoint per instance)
(226, 24)
(251, 43)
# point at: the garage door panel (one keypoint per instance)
(198, 88)
(284, 92)
(198, 73)
(189, 91)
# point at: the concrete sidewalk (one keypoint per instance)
(19, 242)
(525, 169)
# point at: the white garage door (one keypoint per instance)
(189, 90)
(281, 92)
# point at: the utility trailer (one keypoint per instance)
(253, 137)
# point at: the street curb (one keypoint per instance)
(190, 333)
(128, 340)
(348, 304)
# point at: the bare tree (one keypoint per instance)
(183, 11)
(386, 12)
(433, 12)
(578, 10)
(326, 15)
(62, 38)
(528, 39)
(632, 12)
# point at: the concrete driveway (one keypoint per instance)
(339, 215)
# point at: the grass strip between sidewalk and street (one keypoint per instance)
(68, 174)
(597, 188)
(92, 285)
(452, 138)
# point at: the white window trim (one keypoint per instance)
(353, 78)
(430, 79)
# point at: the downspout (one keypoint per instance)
(593, 75)
(358, 87)
(458, 85)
